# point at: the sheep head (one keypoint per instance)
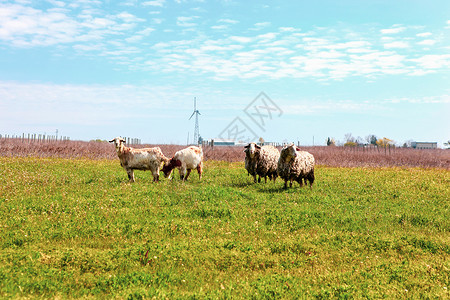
(251, 150)
(289, 152)
(168, 167)
(118, 142)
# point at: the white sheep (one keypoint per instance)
(185, 160)
(139, 159)
(261, 161)
(297, 165)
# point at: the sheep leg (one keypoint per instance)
(311, 180)
(290, 183)
(265, 179)
(182, 173)
(130, 173)
(187, 174)
(259, 179)
(200, 170)
(254, 178)
(285, 183)
(155, 176)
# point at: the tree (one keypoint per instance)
(261, 141)
(371, 139)
(408, 144)
(385, 142)
(349, 137)
(331, 142)
(349, 140)
(359, 140)
(447, 144)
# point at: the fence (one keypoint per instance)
(387, 149)
(43, 138)
(35, 137)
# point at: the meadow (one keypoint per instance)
(75, 228)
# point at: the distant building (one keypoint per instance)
(424, 145)
(232, 142)
(275, 144)
(224, 142)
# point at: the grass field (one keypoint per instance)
(73, 228)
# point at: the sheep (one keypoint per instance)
(139, 159)
(261, 161)
(185, 160)
(297, 165)
(251, 160)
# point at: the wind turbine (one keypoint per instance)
(196, 129)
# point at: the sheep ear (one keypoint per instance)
(258, 147)
(111, 141)
(247, 146)
(297, 148)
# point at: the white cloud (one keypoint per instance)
(268, 36)
(57, 3)
(393, 30)
(288, 29)
(427, 42)
(433, 61)
(186, 21)
(29, 27)
(219, 27)
(424, 34)
(325, 53)
(261, 25)
(280, 54)
(241, 39)
(127, 17)
(228, 21)
(159, 3)
(397, 44)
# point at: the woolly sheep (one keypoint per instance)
(297, 165)
(261, 161)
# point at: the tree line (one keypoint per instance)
(369, 140)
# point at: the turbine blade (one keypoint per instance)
(192, 115)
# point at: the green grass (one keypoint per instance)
(76, 228)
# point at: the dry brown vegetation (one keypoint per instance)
(329, 156)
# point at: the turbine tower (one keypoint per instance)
(196, 129)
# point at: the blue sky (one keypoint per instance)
(99, 69)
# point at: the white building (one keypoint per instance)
(424, 145)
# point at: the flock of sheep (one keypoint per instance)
(291, 164)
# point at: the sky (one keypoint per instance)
(281, 70)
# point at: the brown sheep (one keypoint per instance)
(139, 159)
